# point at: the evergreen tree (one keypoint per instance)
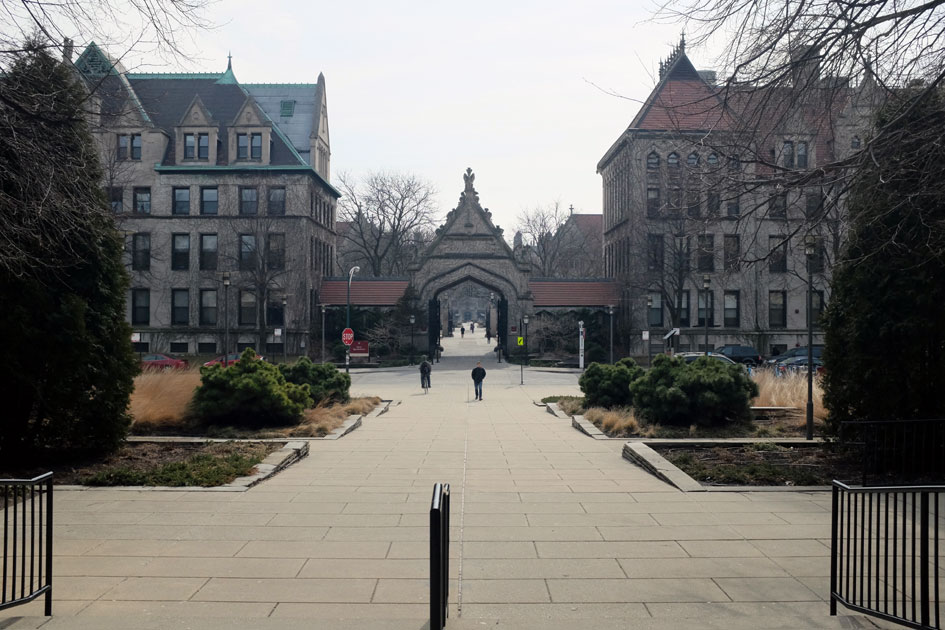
(68, 368)
(885, 341)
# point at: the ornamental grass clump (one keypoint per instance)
(249, 393)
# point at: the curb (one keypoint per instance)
(588, 428)
(555, 410)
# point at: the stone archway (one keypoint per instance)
(469, 247)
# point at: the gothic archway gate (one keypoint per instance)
(468, 247)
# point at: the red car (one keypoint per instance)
(231, 359)
(162, 362)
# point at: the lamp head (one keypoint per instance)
(412, 319)
(525, 319)
(226, 278)
(810, 243)
(706, 281)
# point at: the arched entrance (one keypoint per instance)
(468, 247)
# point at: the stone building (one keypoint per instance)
(709, 212)
(222, 191)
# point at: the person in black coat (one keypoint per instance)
(478, 374)
(425, 369)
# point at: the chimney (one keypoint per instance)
(67, 50)
(805, 66)
(709, 76)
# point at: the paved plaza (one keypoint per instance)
(551, 529)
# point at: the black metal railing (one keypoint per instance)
(884, 553)
(898, 451)
(439, 555)
(27, 540)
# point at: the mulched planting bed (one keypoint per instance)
(158, 463)
(762, 464)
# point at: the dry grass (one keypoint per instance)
(789, 390)
(614, 422)
(323, 419)
(571, 405)
(160, 399)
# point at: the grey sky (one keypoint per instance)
(507, 88)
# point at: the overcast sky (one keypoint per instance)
(515, 90)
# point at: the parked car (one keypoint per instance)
(740, 354)
(794, 352)
(689, 357)
(162, 362)
(231, 359)
(798, 365)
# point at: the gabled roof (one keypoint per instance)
(578, 293)
(367, 292)
(588, 223)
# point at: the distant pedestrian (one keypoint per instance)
(462, 332)
(472, 328)
(425, 369)
(478, 374)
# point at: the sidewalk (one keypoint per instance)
(550, 529)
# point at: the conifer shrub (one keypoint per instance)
(249, 393)
(609, 385)
(325, 382)
(705, 392)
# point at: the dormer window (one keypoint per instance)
(129, 146)
(249, 146)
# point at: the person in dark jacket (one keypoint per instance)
(425, 369)
(478, 374)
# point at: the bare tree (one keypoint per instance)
(390, 217)
(540, 228)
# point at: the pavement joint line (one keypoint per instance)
(462, 520)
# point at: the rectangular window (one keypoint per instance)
(286, 108)
(713, 204)
(141, 251)
(180, 252)
(122, 151)
(777, 206)
(203, 146)
(181, 201)
(247, 308)
(275, 251)
(209, 200)
(142, 200)
(247, 252)
(787, 153)
(815, 262)
(207, 347)
(242, 146)
(675, 196)
(190, 146)
(801, 155)
(684, 308)
(208, 307)
(276, 202)
(706, 259)
(654, 252)
(777, 309)
(701, 299)
(180, 307)
(652, 202)
(777, 261)
(817, 306)
(180, 347)
(813, 205)
(116, 198)
(732, 251)
(732, 309)
(249, 200)
(694, 202)
(141, 307)
(208, 252)
(136, 146)
(256, 147)
(733, 207)
(655, 312)
(275, 312)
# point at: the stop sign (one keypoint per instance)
(347, 336)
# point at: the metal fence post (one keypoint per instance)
(439, 555)
(834, 550)
(924, 559)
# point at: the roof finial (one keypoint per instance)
(682, 41)
(229, 61)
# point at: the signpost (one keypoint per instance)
(360, 349)
(347, 337)
(581, 345)
(521, 341)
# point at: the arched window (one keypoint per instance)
(693, 159)
(672, 160)
(713, 159)
(653, 161)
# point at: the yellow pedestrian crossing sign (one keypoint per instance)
(521, 341)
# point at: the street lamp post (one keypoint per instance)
(610, 311)
(285, 331)
(226, 318)
(522, 365)
(706, 281)
(323, 333)
(649, 345)
(351, 273)
(413, 320)
(809, 244)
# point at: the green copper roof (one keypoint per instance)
(173, 75)
(228, 77)
(282, 85)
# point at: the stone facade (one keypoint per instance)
(222, 191)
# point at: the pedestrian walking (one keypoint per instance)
(462, 332)
(478, 374)
(425, 369)
(472, 328)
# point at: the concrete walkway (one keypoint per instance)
(551, 529)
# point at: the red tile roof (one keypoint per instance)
(363, 292)
(682, 101)
(573, 292)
